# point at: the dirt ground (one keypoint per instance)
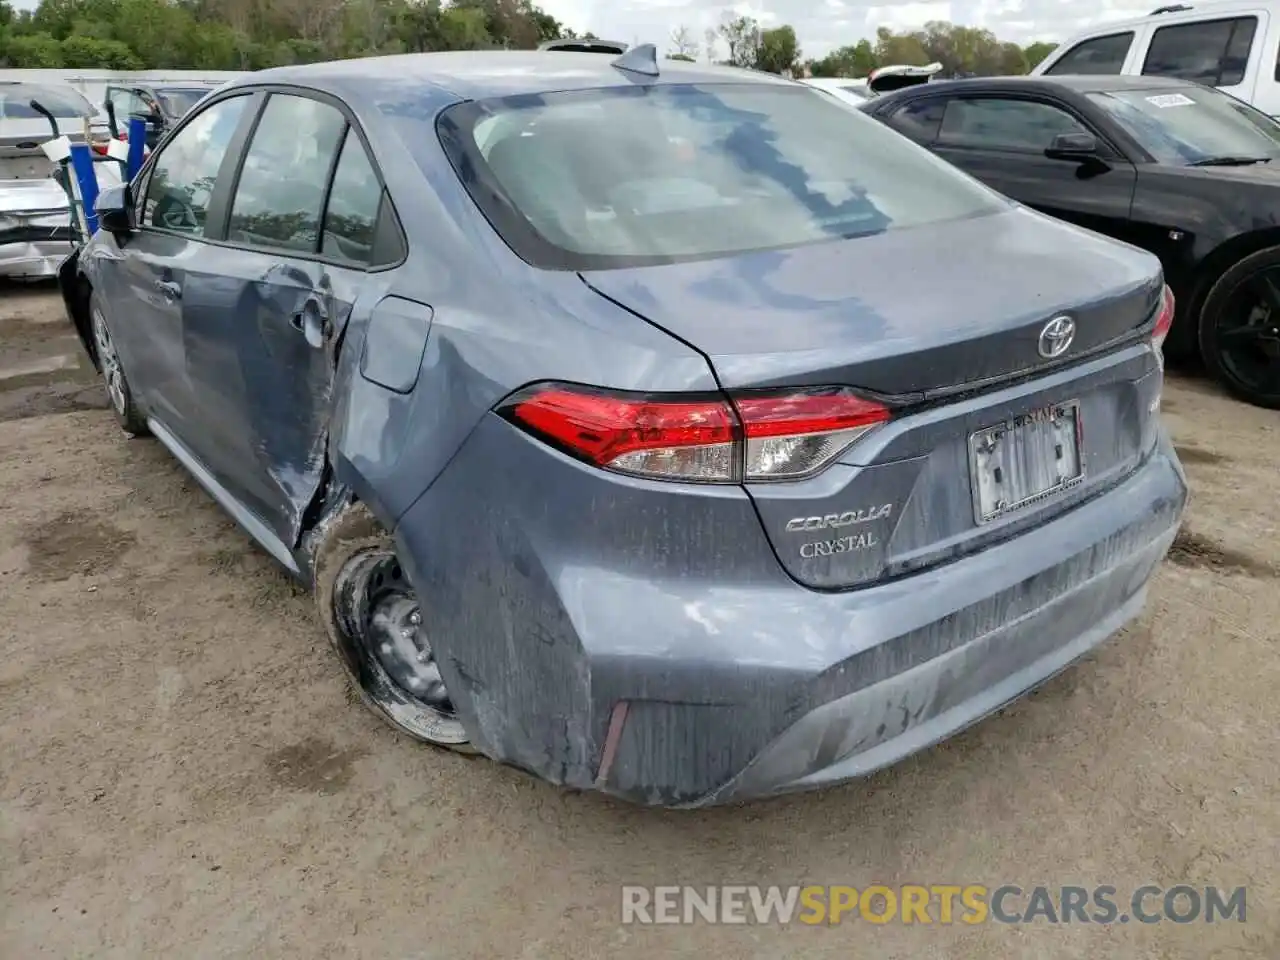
(182, 773)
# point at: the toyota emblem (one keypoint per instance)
(1056, 337)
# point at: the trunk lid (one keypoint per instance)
(899, 313)
(899, 76)
(20, 139)
(31, 196)
(946, 321)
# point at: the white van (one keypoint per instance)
(1230, 44)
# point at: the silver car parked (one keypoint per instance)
(35, 219)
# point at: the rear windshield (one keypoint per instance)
(15, 101)
(660, 174)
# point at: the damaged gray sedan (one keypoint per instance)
(659, 429)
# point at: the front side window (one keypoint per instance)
(1098, 55)
(1001, 124)
(1193, 124)
(279, 198)
(659, 174)
(352, 215)
(1212, 52)
(182, 176)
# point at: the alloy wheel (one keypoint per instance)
(109, 363)
(1247, 334)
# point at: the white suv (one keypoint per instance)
(1230, 44)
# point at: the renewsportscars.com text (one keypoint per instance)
(932, 904)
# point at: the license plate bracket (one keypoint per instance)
(1025, 460)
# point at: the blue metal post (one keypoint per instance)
(82, 165)
(137, 143)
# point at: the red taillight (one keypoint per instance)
(1164, 320)
(687, 438)
(756, 436)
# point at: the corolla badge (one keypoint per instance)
(1056, 337)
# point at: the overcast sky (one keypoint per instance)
(825, 24)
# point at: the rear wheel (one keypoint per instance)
(119, 395)
(1240, 329)
(380, 631)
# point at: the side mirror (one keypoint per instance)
(115, 209)
(1073, 146)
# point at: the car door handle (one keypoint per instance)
(170, 289)
(311, 322)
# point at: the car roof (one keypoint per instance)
(1084, 83)
(478, 75)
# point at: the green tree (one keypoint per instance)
(891, 48)
(34, 50)
(1013, 60)
(166, 32)
(1035, 52)
(778, 51)
(852, 61)
(684, 47)
(741, 35)
(90, 52)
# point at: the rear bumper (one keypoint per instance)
(683, 689)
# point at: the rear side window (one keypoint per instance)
(280, 195)
(920, 120)
(180, 184)
(1098, 55)
(1005, 124)
(352, 214)
(628, 176)
(1212, 52)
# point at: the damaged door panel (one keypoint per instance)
(258, 333)
(265, 312)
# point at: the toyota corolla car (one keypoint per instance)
(660, 429)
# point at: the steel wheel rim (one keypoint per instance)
(377, 609)
(1247, 333)
(109, 363)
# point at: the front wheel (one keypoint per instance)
(380, 631)
(1240, 329)
(131, 419)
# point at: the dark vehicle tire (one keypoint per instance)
(1239, 329)
(131, 419)
(375, 624)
